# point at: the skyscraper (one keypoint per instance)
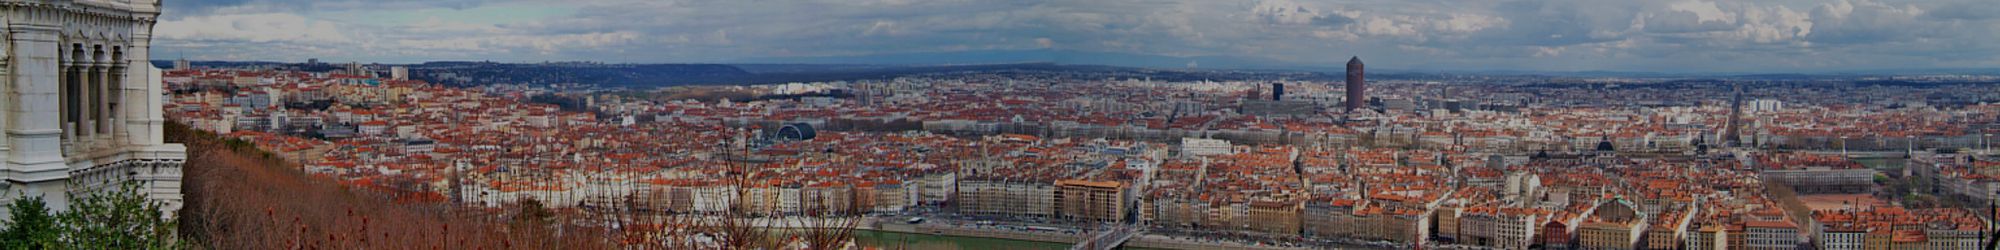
(1355, 97)
(399, 72)
(1277, 91)
(354, 68)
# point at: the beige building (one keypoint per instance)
(1615, 224)
(1090, 200)
(1177, 212)
(1609, 235)
(1909, 240)
(1448, 224)
(1708, 237)
(1952, 238)
(1274, 217)
(1495, 227)
(1515, 227)
(826, 199)
(1878, 240)
(1660, 237)
(1667, 230)
(1405, 226)
(1329, 218)
(1006, 197)
(890, 198)
(1478, 226)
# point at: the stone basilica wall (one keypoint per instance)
(82, 102)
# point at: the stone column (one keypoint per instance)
(66, 98)
(33, 130)
(86, 117)
(100, 101)
(63, 80)
(119, 91)
(6, 86)
(143, 117)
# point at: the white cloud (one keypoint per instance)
(1774, 24)
(439, 25)
(1687, 16)
(1466, 23)
(1704, 11)
(1513, 34)
(1384, 26)
(1868, 22)
(883, 27)
(271, 27)
(1285, 12)
(540, 45)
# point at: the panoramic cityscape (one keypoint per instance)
(804, 124)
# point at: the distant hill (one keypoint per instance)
(886, 66)
(169, 64)
(1066, 57)
(465, 73)
(657, 75)
(622, 75)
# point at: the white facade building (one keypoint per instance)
(399, 72)
(1771, 235)
(1843, 239)
(1766, 105)
(82, 101)
(1205, 147)
(714, 198)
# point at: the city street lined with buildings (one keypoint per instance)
(1068, 156)
(973, 125)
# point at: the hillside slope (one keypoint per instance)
(241, 198)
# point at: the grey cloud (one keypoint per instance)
(1682, 22)
(1332, 20)
(1975, 11)
(206, 7)
(1563, 22)
(1844, 22)
(1507, 34)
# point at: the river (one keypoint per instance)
(894, 240)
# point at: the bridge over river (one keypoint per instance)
(1107, 239)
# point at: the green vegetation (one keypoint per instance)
(31, 226)
(118, 217)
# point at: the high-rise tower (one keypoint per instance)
(1355, 97)
(1278, 91)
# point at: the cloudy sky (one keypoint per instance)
(1543, 35)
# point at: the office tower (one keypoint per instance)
(399, 72)
(1277, 91)
(1355, 97)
